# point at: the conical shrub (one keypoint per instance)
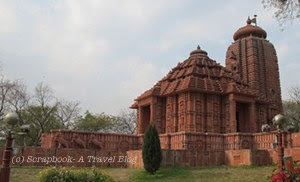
(151, 150)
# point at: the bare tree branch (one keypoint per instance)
(68, 113)
(285, 10)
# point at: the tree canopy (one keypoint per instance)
(291, 109)
(95, 122)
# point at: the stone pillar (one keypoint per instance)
(232, 114)
(169, 114)
(139, 121)
(152, 113)
(175, 114)
(253, 119)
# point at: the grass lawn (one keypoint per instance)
(223, 173)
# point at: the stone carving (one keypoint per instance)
(265, 128)
(60, 142)
(95, 142)
(123, 145)
(77, 140)
(245, 144)
(233, 55)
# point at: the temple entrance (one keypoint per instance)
(146, 111)
(242, 117)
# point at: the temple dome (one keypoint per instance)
(198, 73)
(249, 30)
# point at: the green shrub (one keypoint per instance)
(151, 150)
(62, 174)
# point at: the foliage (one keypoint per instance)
(292, 113)
(151, 150)
(292, 173)
(125, 122)
(285, 10)
(95, 122)
(58, 174)
(42, 111)
(291, 109)
(40, 122)
(67, 113)
(12, 97)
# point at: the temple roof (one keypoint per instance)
(249, 30)
(198, 73)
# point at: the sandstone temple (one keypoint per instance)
(206, 113)
(200, 95)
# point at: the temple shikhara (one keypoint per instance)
(206, 113)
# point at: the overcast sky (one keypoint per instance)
(106, 53)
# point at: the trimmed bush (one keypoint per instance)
(151, 150)
(62, 174)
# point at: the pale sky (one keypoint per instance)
(106, 53)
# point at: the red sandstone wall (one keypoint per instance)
(178, 140)
(295, 139)
(195, 112)
(183, 158)
(238, 157)
(248, 157)
(107, 141)
(171, 114)
(181, 148)
(190, 158)
(233, 141)
(186, 149)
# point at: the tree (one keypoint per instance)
(68, 113)
(13, 97)
(95, 122)
(291, 109)
(41, 120)
(42, 109)
(7, 90)
(151, 150)
(44, 112)
(125, 122)
(285, 10)
(18, 100)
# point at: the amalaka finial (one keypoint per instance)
(198, 51)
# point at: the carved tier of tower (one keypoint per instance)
(200, 95)
(253, 60)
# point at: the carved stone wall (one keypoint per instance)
(89, 140)
(179, 140)
(180, 148)
(254, 60)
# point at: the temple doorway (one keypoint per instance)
(146, 112)
(242, 117)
